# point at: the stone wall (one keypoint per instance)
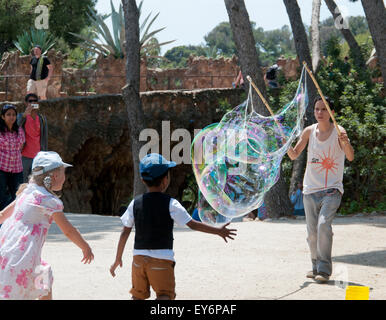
(161, 79)
(289, 67)
(92, 134)
(108, 76)
(210, 73)
(18, 68)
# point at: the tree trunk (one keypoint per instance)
(376, 19)
(247, 54)
(276, 199)
(355, 50)
(315, 34)
(303, 52)
(131, 90)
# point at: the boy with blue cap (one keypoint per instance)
(153, 214)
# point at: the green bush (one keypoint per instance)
(28, 40)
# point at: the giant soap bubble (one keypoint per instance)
(236, 161)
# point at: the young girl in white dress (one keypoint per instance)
(23, 275)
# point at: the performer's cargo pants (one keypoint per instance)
(320, 208)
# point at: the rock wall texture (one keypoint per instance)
(18, 67)
(92, 134)
(108, 76)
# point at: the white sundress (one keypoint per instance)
(23, 275)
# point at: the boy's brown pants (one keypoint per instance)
(159, 273)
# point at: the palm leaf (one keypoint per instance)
(140, 7)
(29, 39)
(100, 51)
(150, 35)
(115, 19)
(113, 43)
(150, 46)
(144, 22)
(149, 25)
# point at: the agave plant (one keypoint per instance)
(29, 39)
(211, 52)
(113, 43)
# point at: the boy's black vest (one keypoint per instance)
(153, 224)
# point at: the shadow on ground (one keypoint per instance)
(376, 220)
(92, 227)
(306, 284)
(370, 258)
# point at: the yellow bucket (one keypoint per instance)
(357, 293)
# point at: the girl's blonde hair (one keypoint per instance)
(39, 180)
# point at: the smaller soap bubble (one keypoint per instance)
(208, 215)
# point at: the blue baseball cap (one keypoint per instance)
(154, 165)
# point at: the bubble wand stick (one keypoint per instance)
(266, 104)
(322, 96)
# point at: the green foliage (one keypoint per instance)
(190, 194)
(77, 57)
(177, 57)
(153, 55)
(69, 16)
(332, 48)
(274, 44)
(365, 42)
(211, 52)
(16, 16)
(358, 25)
(362, 114)
(224, 105)
(221, 38)
(361, 111)
(27, 40)
(271, 44)
(113, 43)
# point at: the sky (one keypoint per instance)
(188, 21)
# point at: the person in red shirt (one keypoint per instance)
(36, 132)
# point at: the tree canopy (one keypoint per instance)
(69, 16)
(178, 56)
(272, 44)
(17, 16)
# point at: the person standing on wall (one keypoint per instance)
(36, 132)
(40, 75)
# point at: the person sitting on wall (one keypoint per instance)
(270, 76)
(239, 82)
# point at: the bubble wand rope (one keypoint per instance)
(322, 96)
(266, 104)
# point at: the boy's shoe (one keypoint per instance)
(311, 274)
(322, 277)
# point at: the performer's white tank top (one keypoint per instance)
(325, 163)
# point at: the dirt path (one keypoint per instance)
(267, 260)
